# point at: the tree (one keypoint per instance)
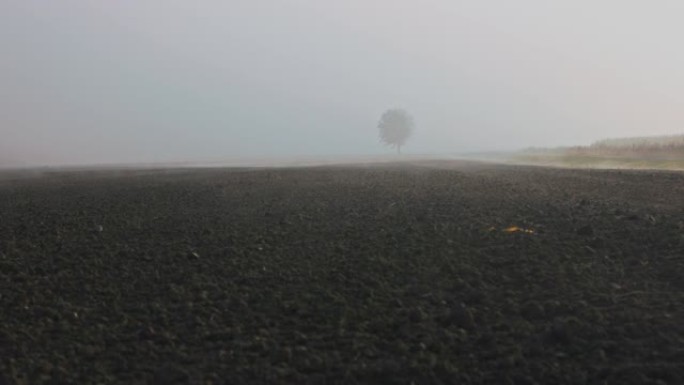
(395, 127)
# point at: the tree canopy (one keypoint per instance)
(396, 126)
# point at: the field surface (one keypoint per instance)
(426, 272)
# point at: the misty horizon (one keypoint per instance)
(173, 81)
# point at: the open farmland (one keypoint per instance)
(654, 153)
(423, 272)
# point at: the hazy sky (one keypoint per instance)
(160, 80)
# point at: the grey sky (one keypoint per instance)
(161, 80)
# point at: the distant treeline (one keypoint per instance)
(657, 147)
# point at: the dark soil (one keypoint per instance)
(386, 274)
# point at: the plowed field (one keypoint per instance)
(425, 273)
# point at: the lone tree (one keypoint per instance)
(395, 127)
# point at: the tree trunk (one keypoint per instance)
(398, 149)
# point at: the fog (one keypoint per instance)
(157, 81)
